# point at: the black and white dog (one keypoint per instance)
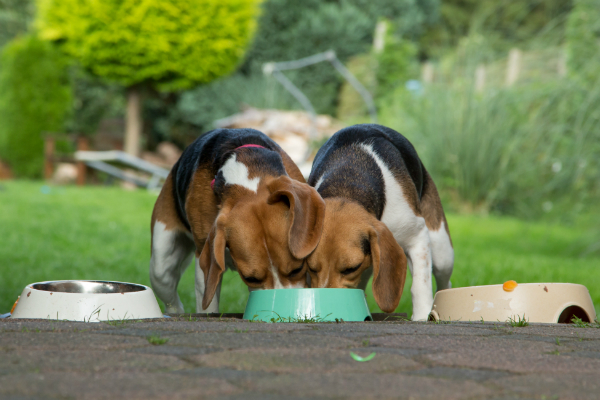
(380, 205)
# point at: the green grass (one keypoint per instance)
(517, 321)
(104, 233)
(156, 340)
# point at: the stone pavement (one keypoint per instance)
(233, 359)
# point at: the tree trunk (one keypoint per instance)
(133, 128)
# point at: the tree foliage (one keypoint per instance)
(35, 96)
(169, 44)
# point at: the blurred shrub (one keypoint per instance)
(526, 151)
(582, 35)
(183, 117)
(35, 96)
(351, 106)
(504, 24)
(15, 16)
(290, 30)
(93, 99)
(168, 43)
(396, 64)
(224, 97)
(381, 73)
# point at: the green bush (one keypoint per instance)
(15, 16)
(582, 35)
(396, 64)
(526, 151)
(503, 24)
(351, 107)
(93, 99)
(35, 97)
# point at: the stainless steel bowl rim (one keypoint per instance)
(87, 286)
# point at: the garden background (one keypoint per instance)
(501, 100)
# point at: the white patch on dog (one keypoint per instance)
(276, 281)
(324, 284)
(411, 233)
(297, 285)
(397, 214)
(443, 257)
(170, 258)
(319, 182)
(236, 173)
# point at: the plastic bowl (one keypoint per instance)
(535, 302)
(88, 301)
(301, 305)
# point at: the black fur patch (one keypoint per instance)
(365, 244)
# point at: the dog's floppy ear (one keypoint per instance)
(307, 213)
(389, 267)
(212, 260)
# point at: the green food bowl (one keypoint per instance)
(307, 305)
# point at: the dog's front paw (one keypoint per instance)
(174, 309)
(421, 313)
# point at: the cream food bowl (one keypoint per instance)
(535, 302)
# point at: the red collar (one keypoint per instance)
(212, 183)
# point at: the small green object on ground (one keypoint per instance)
(156, 340)
(356, 357)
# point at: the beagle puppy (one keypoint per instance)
(235, 189)
(382, 207)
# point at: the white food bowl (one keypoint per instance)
(88, 301)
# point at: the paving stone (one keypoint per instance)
(367, 385)
(242, 339)
(235, 359)
(567, 386)
(478, 375)
(515, 358)
(42, 361)
(67, 341)
(305, 360)
(114, 386)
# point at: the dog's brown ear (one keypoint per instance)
(307, 213)
(212, 260)
(389, 268)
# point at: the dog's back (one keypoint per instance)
(344, 167)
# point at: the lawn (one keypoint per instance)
(51, 233)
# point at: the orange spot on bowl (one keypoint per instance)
(14, 305)
(509, 286)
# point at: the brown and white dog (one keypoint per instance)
(380, 201)
(233, 188)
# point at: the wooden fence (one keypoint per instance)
(517, 67)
